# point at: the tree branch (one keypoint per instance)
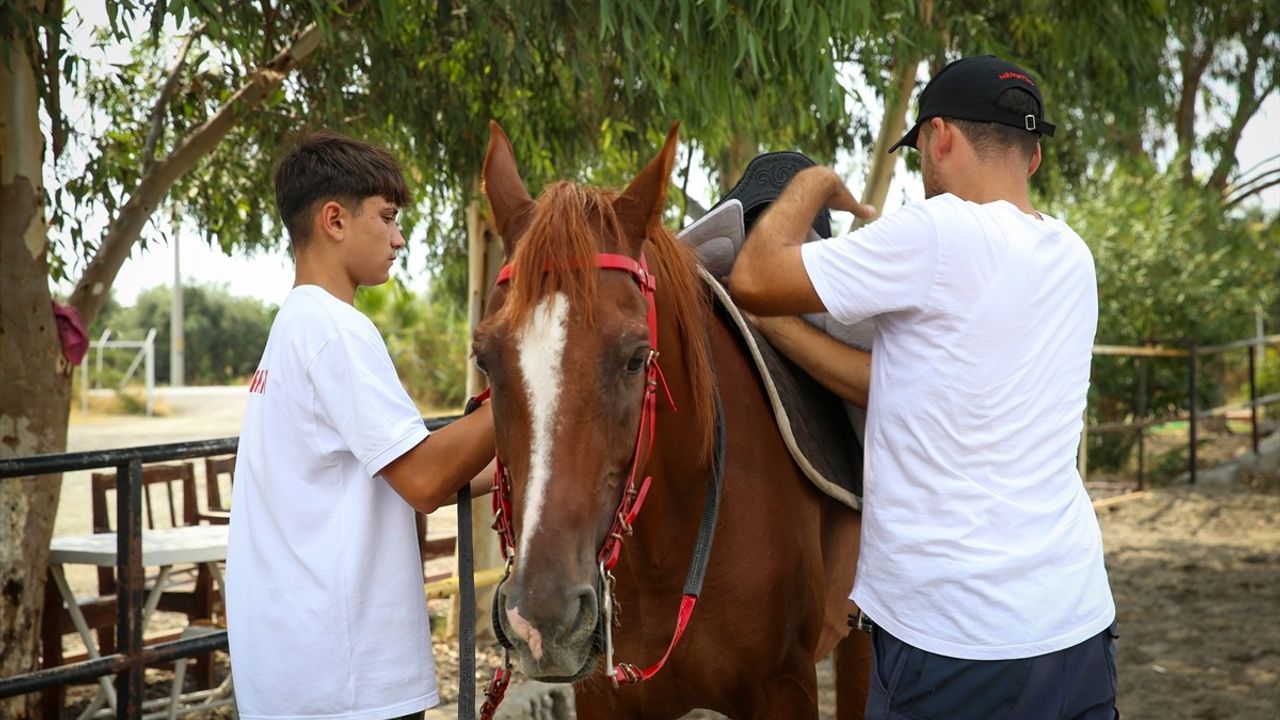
(1184, 126)
(892, 126)
(684, 186)
(692, 208)
(162, 102)
(123, 231)
(1247, 187)
(894, 122)
(1253, 167)
(53, 84)
(1251, 192)
(269, 25)
(1248, 103)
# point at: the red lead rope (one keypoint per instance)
(632, 498)
(627, 674)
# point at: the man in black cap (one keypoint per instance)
(981, 573)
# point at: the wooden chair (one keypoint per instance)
(170, 477)
(217, 512)
(432, 549)
(176, 486)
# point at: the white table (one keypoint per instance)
(196, 544)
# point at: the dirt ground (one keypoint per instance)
(1196, 575)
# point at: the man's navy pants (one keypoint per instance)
(1078, 683)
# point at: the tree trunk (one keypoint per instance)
(1247, 103)
(892, 126)
(734, 159)
(1184, 126)
(894, 122)
(35, 395)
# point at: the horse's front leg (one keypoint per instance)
(792, 694)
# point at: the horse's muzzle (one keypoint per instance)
(551, 639)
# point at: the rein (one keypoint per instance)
(623, 673)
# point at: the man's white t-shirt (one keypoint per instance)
(326, 614)
(978, 538)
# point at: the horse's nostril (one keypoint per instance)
(586, 607)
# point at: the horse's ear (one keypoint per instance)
(640, 207)
(508, 198)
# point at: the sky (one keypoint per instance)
(268, 275)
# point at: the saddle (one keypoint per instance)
(823, 433)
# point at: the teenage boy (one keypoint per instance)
(325, 606)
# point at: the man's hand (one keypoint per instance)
(769, 277)
(838, 196)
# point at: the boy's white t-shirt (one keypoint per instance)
(978, 538)
(326, 614)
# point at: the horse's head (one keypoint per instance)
(566, 347)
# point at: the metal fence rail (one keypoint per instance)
(129, 663)
(1190, 352)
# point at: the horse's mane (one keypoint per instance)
(563, 238)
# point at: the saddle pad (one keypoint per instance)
(812, 420)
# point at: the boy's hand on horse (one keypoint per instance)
(431, 474)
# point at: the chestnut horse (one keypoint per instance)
(566, 343)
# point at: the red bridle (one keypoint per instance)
(632, 497)
(628, 508)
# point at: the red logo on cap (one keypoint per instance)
(1017, 76)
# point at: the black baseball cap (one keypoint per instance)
(968, 88)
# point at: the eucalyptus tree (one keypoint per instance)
(1131, 84)
(1221, 64)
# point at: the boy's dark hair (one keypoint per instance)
(993, 138)
(328, 166)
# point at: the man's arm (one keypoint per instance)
(844, 370)
(769, 277)
(435, 469)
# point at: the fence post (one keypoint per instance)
(1191, 392)
(102, 346)
(129, 683)
(1253, 397)
(467, 609)
(84, 386)
(1082, 455)
(151, 370)
(1142, 418)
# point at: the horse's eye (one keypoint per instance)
(637, 362)
(481, 366)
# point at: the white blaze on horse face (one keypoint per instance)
(541, 347)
